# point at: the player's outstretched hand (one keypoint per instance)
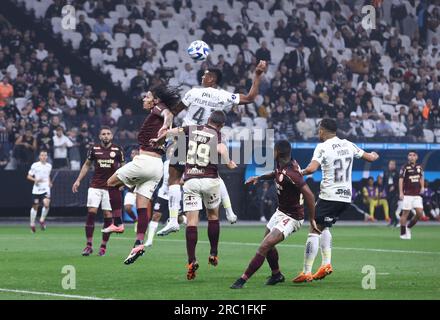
(75, 187)
(162, 131)
(154, 141)
(251, 180)
(261, 67)
(401, 196)
(376, 155)
(314, 227)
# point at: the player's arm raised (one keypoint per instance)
(222, 150)
(84, 169)
(370, 156)
(309, 200)
(167, 121)
(255, 179)
(253, 92)
(162, 136)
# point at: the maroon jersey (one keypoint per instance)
(106, 162)
(150, 128)
(202, 156)
(412, 175)
(289, 182)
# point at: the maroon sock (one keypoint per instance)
(213, 235)
(90, 227)
(254, 265)
(272, 259)
(106, 236)
(413, 222)
(142, 224)
(191, 242)
(402, 230)
(117, 217)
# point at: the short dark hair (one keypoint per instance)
(218, 118)
(104, 128)
(284, 148)
(329, 125)
(412, 151)
(218, 75)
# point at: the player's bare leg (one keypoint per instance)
(310, 253)
(226, 202)
(89, 229)
(152, 227)
(326, 252)
(143, 205)
(108, 218)
(44, 212)
(33, 216)
(412, 223)
(213, 235)
(129, 209)
(191, 243)
(114, 181)
(266, 250)
(403, 222)
(174, 199)
(116, 203)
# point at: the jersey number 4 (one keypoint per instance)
(198, 116)
(198, 154)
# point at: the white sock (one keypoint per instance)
(326, 246)
(44, 213)
(437, 211)
(226, 201)
(310, 251)
(33, 216)
(174, 198)
(152, 227)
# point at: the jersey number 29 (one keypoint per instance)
(198, 154)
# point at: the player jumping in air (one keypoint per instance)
(145, 171)
(335, 156)
(292, 192)
(411, 187)
(130, 197)
(202, 183)
(39, 174)
(200, 103)
(106, 158)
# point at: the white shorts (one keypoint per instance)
(96, 197)
(412, 202)
(197, 190)
(281, 221)
(144, 173)
(130, 199)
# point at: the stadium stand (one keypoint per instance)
(381, 84)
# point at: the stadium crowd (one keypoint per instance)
(380, 85)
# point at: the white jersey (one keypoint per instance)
(201, 102)
(336, 159)
(163, 190)
(41, 171)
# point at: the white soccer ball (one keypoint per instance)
(199, 50)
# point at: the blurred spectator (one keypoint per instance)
(188, 76)
(368, 127)
(391, 184)
(383, 128)
(101, 27)
(431, 204)
(45, 141)
(6, 92)
(305, 127)
(74, 151)
(267, 200)
(238, 38)
(61, 143)
(116, 112)
(255, 32)
(398, 127)
(24, 150)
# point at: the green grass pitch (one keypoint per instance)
(404, 269)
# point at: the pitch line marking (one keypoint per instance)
(53, 294)
(302, 246)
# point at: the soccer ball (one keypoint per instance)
(198, 50)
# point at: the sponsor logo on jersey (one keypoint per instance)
(195, 171)
(97, 148)
(116, 149)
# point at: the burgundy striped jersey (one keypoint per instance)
(289, 182)
(106, 162)
(412, 175)
(201, 156)
(150, 129)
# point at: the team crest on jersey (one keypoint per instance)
(112, 154)
(418, 170)
(281, 177)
